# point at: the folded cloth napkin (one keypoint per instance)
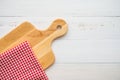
(19, 63)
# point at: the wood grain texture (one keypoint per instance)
(91, 48)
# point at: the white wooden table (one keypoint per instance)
(91, 48)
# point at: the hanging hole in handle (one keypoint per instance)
(59, 27)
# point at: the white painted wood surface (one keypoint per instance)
(91, 48)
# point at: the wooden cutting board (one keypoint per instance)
(38, 39)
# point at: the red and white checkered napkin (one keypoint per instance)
(20, 63)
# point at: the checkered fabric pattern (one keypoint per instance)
(19, 63)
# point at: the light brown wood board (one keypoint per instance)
(39, 40)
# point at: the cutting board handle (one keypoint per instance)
(43, 49)
(58, 28)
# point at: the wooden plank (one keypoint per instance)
(80, 28)
(80, 51)
(60, 8)
(84, 72)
